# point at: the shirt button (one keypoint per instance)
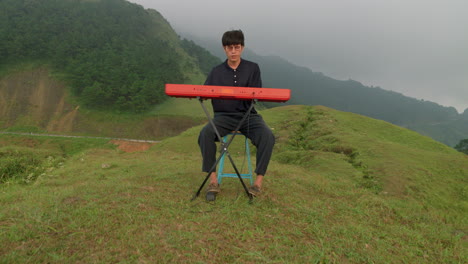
(235, 76)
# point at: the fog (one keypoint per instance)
(415, 47)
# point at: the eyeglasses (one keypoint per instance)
(233, 47)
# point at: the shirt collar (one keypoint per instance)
(238, 67)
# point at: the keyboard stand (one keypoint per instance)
(224, 149)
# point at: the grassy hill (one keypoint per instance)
(341, 188)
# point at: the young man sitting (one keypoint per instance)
(236, 71)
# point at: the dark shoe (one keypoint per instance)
(210, 196)
(211, 192)
(254, 190)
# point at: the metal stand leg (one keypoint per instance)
(224, 149)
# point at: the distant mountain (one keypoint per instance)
(314, 88)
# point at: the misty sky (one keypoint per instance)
(415, 47)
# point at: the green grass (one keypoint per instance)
(341, 188)
(25, 129)
(24, 159)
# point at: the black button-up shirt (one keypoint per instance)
(247, 74)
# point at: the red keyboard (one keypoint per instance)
(228, 92)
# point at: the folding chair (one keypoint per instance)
(221, 170)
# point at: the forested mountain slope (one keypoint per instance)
(112, 53)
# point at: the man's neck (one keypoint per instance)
(235, 64)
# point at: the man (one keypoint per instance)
(235, 71)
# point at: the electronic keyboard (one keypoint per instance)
(228, 92)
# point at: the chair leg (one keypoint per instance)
(248, 175)
(221, 169)
(249, 162)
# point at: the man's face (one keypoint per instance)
(233, 52)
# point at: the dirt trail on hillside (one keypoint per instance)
(64, 124)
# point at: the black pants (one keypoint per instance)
(253, 127)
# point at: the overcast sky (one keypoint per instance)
(415, 47)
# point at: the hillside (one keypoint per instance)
(444, 124)
(34, 101)
(76, 67)
(112, 54)
(341, 188)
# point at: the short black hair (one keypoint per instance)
(233, 37)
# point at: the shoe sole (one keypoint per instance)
(254, 193)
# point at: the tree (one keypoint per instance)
(462, 146)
